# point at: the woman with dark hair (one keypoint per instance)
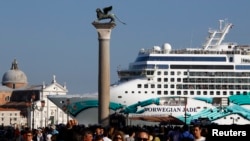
(118, 136)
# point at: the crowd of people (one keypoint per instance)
(76, 132)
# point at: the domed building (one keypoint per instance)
(14, 78)
(30, 102)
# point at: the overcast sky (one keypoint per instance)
(56, 37)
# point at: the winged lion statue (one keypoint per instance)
(103, 14)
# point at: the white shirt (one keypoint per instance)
(200, 139)
(106, 139)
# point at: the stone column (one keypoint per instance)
(104, 32)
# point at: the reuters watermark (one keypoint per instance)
(218, 132)
(228, 131)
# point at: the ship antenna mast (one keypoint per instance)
(216, 37)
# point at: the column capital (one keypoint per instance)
(104, 29)
(103, 25)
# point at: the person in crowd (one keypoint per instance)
(142, 135)
(99, 138)
(39, 135)
(87, 136)
(118, 136)
(29, 136)
(17, 134)
(48, 137)
(174, 134)
(54, 131)
(131, 136)
(106, 135)
(197, 133)
(186, 134)
(24, 134)
(98, 132)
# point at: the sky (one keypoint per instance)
(56, 37)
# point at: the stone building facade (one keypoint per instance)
(29, 102)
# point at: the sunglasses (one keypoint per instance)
(142, 139)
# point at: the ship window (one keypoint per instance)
(179, 86)
(139, 86)
(139, 92)
(216, 101)
(172, 86)
(185, 92)
(152, 92)
(211, 86)
(185, 80)
(231, 93)
(231, 59)
(159, 92)
(217, 92)
(172, 72)
(191, 92)
(158, 79)
(126, 92)
(178, 79)
(178, 73)
(165, 73)
(172, 92)
(211, 93)
(244, 93)
(159, 86)
(204, 92)
(119, 96)
(165, 92)
(158, 73)
(133, 92)
(238, 92)
(198, 92)
(152, 86)
(145, 92)
(145, 85)
(172, 79)
(191, 86)
(185, 73)
(165, 79)
(224, 93)
(178, 92)
(218, 86)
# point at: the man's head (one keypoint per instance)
(29, 135)
(197, 131)
(142, 135)
(88, 136)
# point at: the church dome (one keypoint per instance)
(14, 77)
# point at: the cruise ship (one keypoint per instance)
(211, 82)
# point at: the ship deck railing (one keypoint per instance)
(240, 50)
